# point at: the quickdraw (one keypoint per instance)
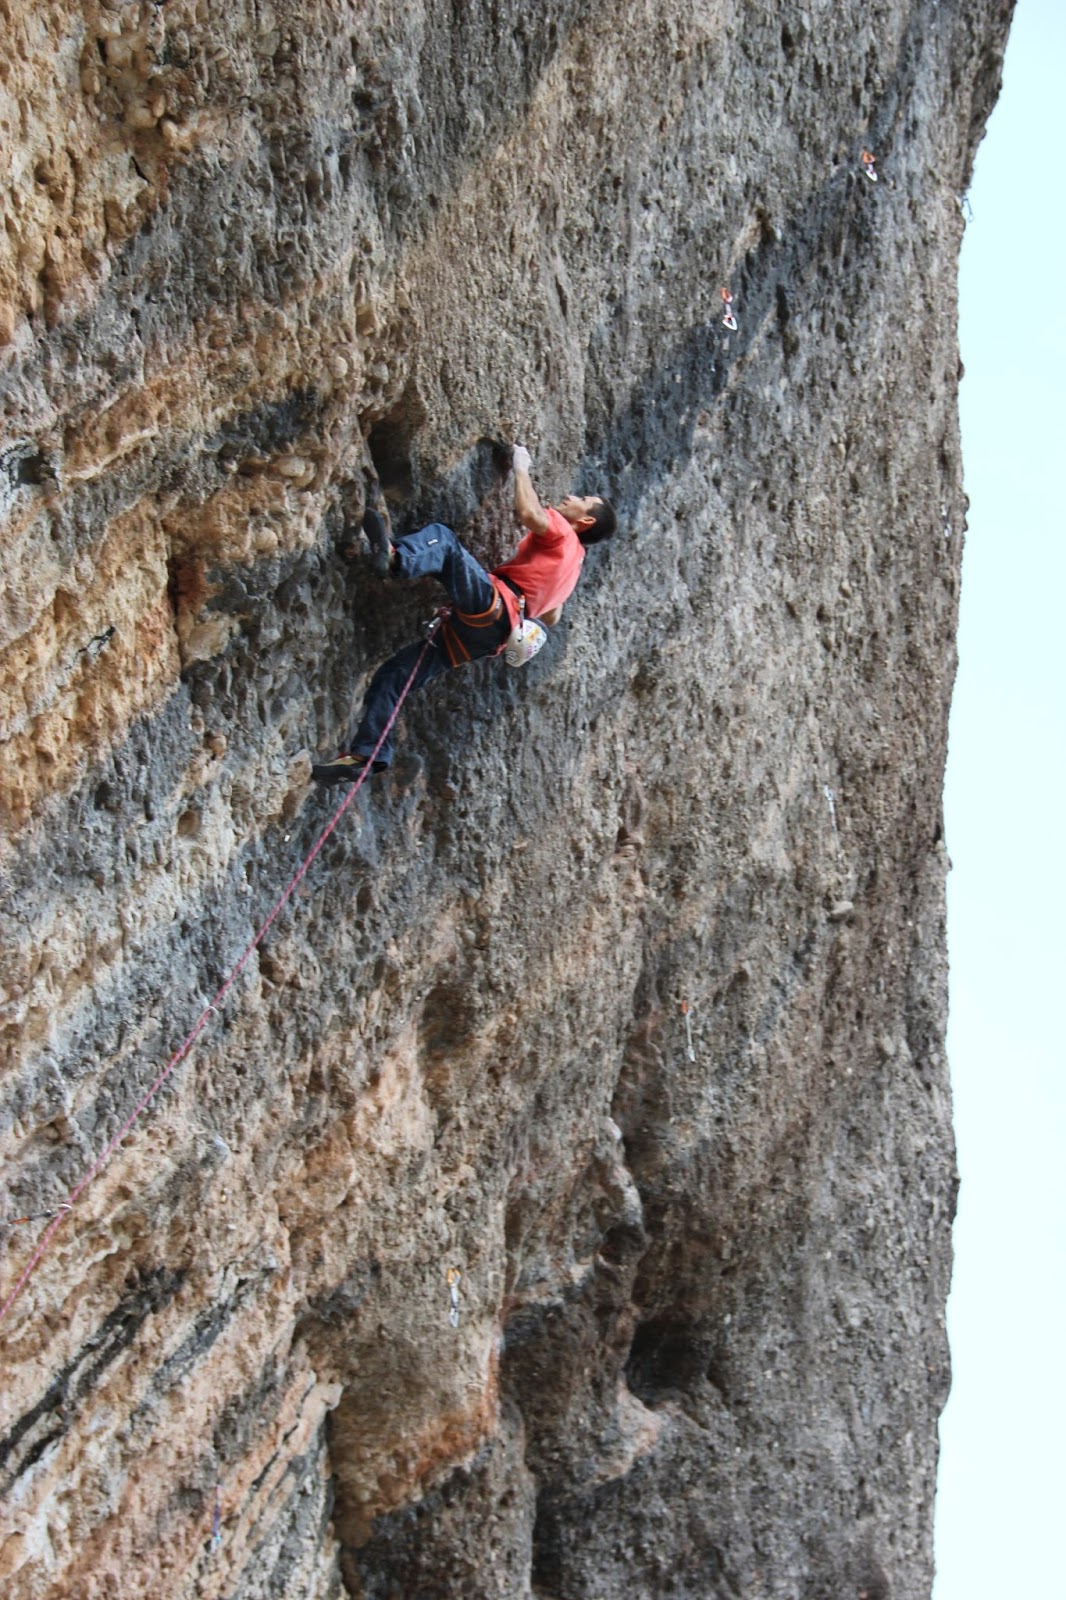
(452, 1278)
(36, 1216)
(728, 319)
(686, 1012)
(216, 1520)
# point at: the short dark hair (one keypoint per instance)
(604, 524)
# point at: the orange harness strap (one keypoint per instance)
(482, 619)
(453, 644)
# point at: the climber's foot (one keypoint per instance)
(342, 769)
(377, 529)
(377, 537)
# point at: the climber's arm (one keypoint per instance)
(528, 508)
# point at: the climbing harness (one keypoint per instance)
(868, 159)
(728, 319)
(522, 644)
(214, 1006)
(454, 624)
(453, 1275)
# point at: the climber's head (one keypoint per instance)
(591, 516)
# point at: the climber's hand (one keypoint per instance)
(528, 508)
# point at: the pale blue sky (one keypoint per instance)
(1002, 1488)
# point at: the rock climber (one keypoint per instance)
(505, 610)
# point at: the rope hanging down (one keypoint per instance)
(67, 1206)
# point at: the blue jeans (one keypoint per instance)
(432, 552)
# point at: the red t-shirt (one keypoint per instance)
(546, 567)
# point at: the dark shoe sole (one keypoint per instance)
(346, 769)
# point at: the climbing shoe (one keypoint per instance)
(377, 537)
(342, 769)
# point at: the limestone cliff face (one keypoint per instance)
(704, 1253)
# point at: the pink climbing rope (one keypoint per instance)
(67, 1206)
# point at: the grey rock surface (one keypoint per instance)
(623, 993)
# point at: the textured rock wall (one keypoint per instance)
(700, 1348)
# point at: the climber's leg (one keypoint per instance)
(435, 552)
(478, 627)
(385, 689)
